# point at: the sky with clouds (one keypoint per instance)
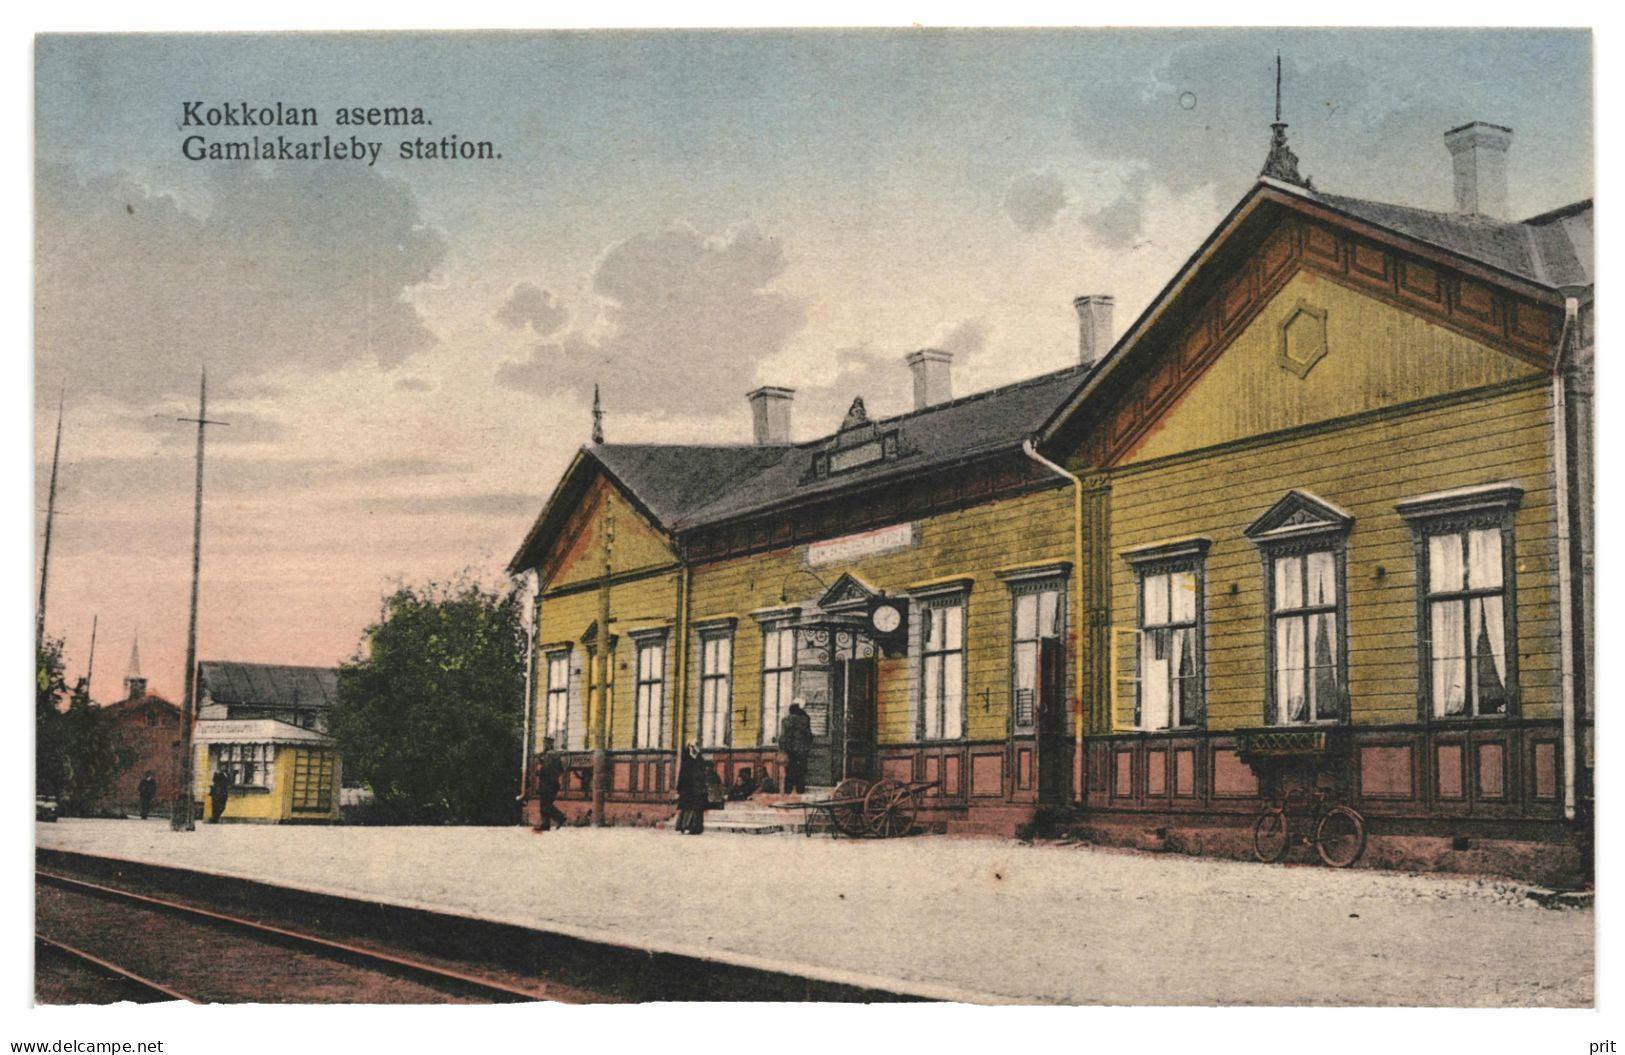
(405, 351)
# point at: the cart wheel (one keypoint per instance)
(1340, 837)
(848, 818)
(889, 809)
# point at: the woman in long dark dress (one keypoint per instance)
(693, 790)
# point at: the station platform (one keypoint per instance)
(974, 920)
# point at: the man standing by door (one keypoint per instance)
(549, 775)
(796, 741)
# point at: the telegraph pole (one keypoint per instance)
(180, 818)
(50, 515)
(90, 667)
(600, 748)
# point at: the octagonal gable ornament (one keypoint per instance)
(1303, 338)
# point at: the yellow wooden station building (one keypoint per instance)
(1322, 514)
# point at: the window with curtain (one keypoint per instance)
(778, 676)
(716, 688)
(942, 669)
(1036, 617)
(558, 697)
(649, 719)
(1305, 637)
(1466, 622)
(1170, 647)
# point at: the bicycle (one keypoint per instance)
(1339, 836)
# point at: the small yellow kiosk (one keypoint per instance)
(279, 772)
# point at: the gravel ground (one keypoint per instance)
(1037, 924)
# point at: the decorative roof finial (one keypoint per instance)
(597, 417)
(1282, 163)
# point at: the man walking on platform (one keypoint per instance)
(219, 789)
(147, 790)
(549, 776)
(796, 741)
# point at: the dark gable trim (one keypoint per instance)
(1298, 515)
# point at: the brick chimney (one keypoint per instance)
(1094, 326)
(770, 413)
(1478, 150)
(933, 382)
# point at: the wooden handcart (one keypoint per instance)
(856, 807)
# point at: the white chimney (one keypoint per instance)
(1478, 151)
(770, 413)
(1094, 326)
(932, 381)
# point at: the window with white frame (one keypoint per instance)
(1168, 659)
(558, 697)
(1469, 658)
(778, 675)
(942, 668)
(1036, 614)
(649, 720)
(247, 765)
(716, 687)
(1305, 638)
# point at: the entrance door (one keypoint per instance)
(852, 720)
(1050, 724)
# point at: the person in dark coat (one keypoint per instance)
(693, 790)
(549, 776)
(796, 741)
(148, 790)
(219, 788)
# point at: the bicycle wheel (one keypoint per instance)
(1340, 837)
(1270, 836)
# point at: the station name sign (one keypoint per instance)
(863, 544)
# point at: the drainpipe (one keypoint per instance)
(682, 662)
(1079, 625)
(1565, 568)
(533, 586)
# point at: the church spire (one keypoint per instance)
(135, 686)
(1282, 163)
(597, 417)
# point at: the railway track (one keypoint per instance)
(187, 952)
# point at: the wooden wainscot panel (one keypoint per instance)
(1477, 303)
(1531, 325)
(622, 775)
(1451, 782)
(1185, 773)
(950, 777)
(1123, 784)
(1544, 767)
(1369, 262)
(1320, 242)
(1232, 778)
(1236, 297)
(1099, 763)
(932, 769)
(1278, 251)
(898, 768)
(1420, 282)
(987, 774)
(1024, 768)
(1491, 766)
(1156, 774)
(1385, 771)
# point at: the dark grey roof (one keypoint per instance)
(1543, 250)
(687, 487)
(268, 684)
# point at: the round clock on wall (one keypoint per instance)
(887, 619)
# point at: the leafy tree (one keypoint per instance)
(429, 710)
(77, 754)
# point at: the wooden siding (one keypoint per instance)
(1365, 467)
(1377, 356)
(972, 543)
(645, 603)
